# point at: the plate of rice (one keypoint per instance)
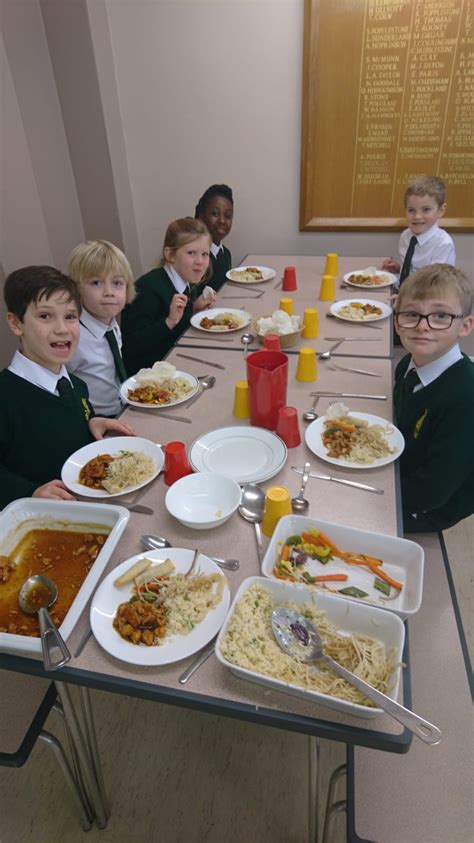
(113, 466)
(220, 320)
(360, 310)
(160, 386)
(370, 277)
(354, 440)
(194, 608)
(250, 274)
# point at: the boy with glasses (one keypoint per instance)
(434, 398)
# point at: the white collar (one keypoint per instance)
(215, 249)
(176, 280)
(97, 328)
(427, 235)
(430, 371)
(36, 374)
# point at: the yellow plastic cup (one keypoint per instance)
(286, 304)
(241, 400)
(327, 291)
(331, 267)
(277, 504)
(310, 323)
(307, 369)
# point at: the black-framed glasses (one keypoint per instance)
(439, 321)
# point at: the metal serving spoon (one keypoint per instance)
(206, 383)
(246, 339)
(150, 542)
(36, 595)
(310, 415)
(299, 638)
(251, 509)
(300, 503)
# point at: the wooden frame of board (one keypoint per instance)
(374, 117)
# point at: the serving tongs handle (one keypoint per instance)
(55, 651)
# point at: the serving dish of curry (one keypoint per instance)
(64, 555)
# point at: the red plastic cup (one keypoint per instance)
(272, 342)
(176, 462)
(287, 426)
(289, 279)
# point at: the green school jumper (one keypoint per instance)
(38, 432)
(146, 337)
(220, 266)
(437, 465)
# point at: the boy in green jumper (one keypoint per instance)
(434, 398)
(45, 414)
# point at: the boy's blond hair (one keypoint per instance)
(435, 281)
(427, 186)
(181, 232)
(97, 258)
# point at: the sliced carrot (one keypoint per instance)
(331, 578)
(279, 576)
(342, 425)
(330, 544)
(285, 553)
(383, 576)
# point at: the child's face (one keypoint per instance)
(422, 212)
(218, 216)
(424, 343)
(104, 296)
(190, 261)
(49, 331)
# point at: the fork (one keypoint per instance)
(336, 368)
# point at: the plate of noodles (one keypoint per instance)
(363, 638)
(360, 310)
(178, 615)
(220, 320)
(370, 277)
(250, 274)
(354, 440)
(161, 386)
(114, 466)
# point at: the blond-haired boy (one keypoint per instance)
(434, 398)
(104, 277)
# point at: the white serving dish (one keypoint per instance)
(347, 616)
(203, 501)
(27, 513)
(403, 560)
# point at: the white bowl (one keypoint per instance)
(203, 500)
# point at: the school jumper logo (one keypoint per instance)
(87, 409)
(417, 428)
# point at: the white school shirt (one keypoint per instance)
(176, 280)
(93, 362)
(36, 374)
(215, 249)
(430, 371)
(434, 246)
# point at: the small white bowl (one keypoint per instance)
(204, 500)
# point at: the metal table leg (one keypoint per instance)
(314, 784)
(91, 737)
(81, 804)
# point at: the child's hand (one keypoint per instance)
(202, 303)
(390, 265)
(178, 303)
(99, 426)
(55, 490)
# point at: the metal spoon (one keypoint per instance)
(246, 339)
(310, 414)
(206, 383)
(251, 509)
(299, 638)
(36, 595)
(325, 355)
(299, 503)
(150, 542)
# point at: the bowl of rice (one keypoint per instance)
(203, 500)
(288, 328)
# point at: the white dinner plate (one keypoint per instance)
(315, 444)
(233, 274)
(247, 454)
(389, 278)
(175, 647)
(131, 383)
(241, 315)
(337, 305)
(113, 445)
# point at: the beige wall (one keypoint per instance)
(117, 114)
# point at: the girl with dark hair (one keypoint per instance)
(216, 209)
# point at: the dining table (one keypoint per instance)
(213, 688)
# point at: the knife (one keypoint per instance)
(191, 337)
(349, 395)
(200, 360)
(336, 368)
(161, 415)
(354, 339)
(340, 480)
(198, 661)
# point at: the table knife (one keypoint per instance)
(348, 395)
(336, 368)
(161, 414)
(198, 661)
(340, 480)
(200, 360)
(354, 339)
(191, 337)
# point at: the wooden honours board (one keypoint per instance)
(388, 94)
